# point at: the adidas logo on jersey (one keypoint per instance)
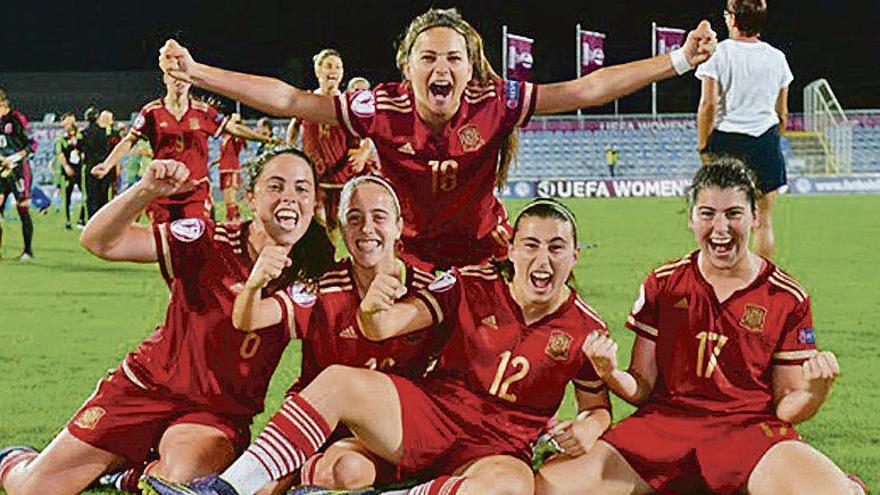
(348, 333)
(407, 149)
(682, 303)
(489, 321)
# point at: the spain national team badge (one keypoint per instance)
(558, 345)
(470, 137)
(89, 418)
(194, 123)
(753, 318)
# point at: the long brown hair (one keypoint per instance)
(484, 74)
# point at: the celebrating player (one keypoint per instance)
(723, 365)
(369, 215)
(193, 387)
(177, 127)
(445, 136)
(338, 156)
(514, 345)
(744, 107)
(15, 173)
(230, 171)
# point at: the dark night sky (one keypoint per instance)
(822, 38)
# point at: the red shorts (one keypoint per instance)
(230, 179)
(126, 420)
(435, 442)
(676, 453)
(195, 204)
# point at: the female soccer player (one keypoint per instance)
(514, 345)
(178, 127)
(744, 107)
(338, 156)
(723, 365)
(230, 170)
(369, 215)
(445, 136)
(190, 390)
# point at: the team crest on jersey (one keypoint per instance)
(512, 93)
(753, 318)
(558, 345)
(89, 418)
(442, 283)
(470, 138)
(187, 229)
(364, 104)
(194, 123)
(301, 295)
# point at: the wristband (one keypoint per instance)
(679, 61)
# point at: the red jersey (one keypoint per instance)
(197, 354)
(509, 376)
(185, 140)
(716, 356)
(327, 146)
(446, 182)
(332, 335)
(230, 149)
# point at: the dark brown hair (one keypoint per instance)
(724, 172)
(750, 16)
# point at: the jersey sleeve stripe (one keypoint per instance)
(528, 105)
(782, 276)
(583, 306)
(343, 116)
(640, 328)
(797, 294)
(432, 304)
(675, 264)
(284, 298)
(165, 253)
(221, 127)
(392, 108)
(335, 288)
(801, 355)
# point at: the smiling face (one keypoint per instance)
(439, 70)
(371, 225)
(543, 254)
(329, 72)
(283, 198)
(722, 220)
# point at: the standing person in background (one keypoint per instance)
(744, 107)
(95, 148)
(15, 174)
(611, 159)
(230, 170)
(69, 155)
(264, 129)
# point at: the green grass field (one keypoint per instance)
(66, 317)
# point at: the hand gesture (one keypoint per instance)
(176, 61)
(568, 439)
(822, 367)
(359, 161)
(601, 350)
(271, 262)
(384, 290)
(99, 170)
(166, 177)
(700, 44)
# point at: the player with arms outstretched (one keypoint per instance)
(445, 136)
(723, 365)
(192, 389)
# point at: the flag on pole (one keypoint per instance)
(518, 56)
(669, 39)
(592, 51)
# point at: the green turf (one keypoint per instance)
(66, 317)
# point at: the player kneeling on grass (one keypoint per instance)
(371, 223)
(515, 343)
(191, 390)
(723, 365)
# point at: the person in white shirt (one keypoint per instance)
(744, 107)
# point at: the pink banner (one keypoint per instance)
(592, 51)
(519, 57)
(669, 39)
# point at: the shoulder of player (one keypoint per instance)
(485, 272)
(589, 314)
(393, 97)
(199, 105)
(673, 267)
(786, 284)
(226, 235)
(337, 279)
(152, 106)
(419, 279)
(478, 93)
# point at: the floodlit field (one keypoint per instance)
(66, 317)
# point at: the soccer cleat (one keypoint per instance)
(9, 452)
(318, 490)
(25, 257)
(858, 484)
(209, 485)
(109, 480)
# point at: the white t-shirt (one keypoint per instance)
(750, 76)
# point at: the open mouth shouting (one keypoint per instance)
(721, 246)
(368, 246)
(540, 280)
(440, 92)
(286, 218)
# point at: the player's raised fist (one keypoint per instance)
(700, 44)
(601, 350)
(176, 61)
(822, 366)
(166, 177)
(383, 291)
(271, 262)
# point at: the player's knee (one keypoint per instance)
(337, 377)
(502, 481)
(349, 471)
(23, 208)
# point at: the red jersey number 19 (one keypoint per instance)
(444, 175)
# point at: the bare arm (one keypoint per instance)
(266, 94)
(236, 128)
(706, 112)
(635, 384)
(576, 437)
(782, 109)
(380, 317)
(251, 311)
(293, 132)
(120, 150)
(799, 391)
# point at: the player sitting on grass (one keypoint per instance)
(514, 345)
(723, 365)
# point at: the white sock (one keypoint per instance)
(247, 475)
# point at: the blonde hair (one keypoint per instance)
(326, 52)
(484, 74)
(352, 186)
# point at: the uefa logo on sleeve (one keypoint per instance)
(364, 104)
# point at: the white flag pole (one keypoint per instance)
(580, 56)
(504, 51)
(654, 54)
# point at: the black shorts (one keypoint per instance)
(762, 154)
(17, 183)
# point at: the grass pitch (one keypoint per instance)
(66, 317)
